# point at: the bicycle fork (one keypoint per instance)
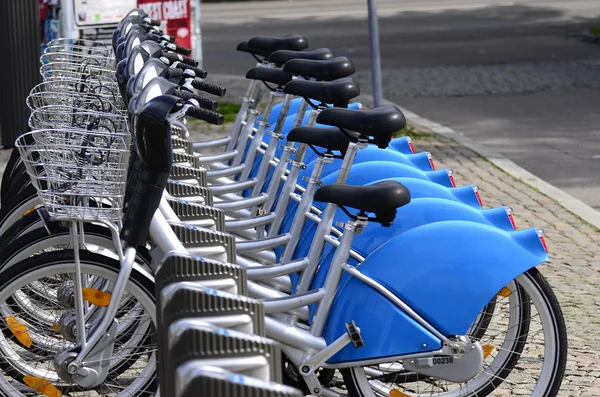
(88, 364)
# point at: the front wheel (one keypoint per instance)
(35, 327)
(526, 360)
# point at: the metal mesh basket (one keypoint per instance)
(78, 174)
(76, 58)
(83, 72)
(80, 46)
(103, 98)
(66, 116)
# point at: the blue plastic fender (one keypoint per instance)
(366, 172)
(294, 106)
(418, 188)
(372, 152)
(419, 212)
(423, 211)
(400, 166)
(446, 271)
(402, 144)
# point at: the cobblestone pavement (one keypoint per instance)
(574, 246)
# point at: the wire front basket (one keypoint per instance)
(83, 72)
(98, 97)
(66, 116)
(78, 174)
(78, 46)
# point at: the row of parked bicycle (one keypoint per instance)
(134, 260)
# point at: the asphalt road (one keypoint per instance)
(513, 76)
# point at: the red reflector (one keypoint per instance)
(410, 144)
(451, 177)
(509, 212)
(430, 157)
(476, 190)
(540, 234)
(512, 221)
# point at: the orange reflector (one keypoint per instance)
(487, 350)
(42, 386)
(56, 327)
(397, 393)
(96, 297)
(505, 292)
(29, 211)
(19, 331)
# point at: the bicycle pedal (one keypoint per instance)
(194, 339)
(182, 144)
(186, 160)
(191, 377)
(190, 192)
(193, 237)
(222, 309)
(198, 214)
(354, 334)
(187, 174)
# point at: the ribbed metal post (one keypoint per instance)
(19, 70)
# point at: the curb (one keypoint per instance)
(580, 209)
(570, 203)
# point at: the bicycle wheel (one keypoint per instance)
(24, 225)
(14, 164)
(526, 352)
(98, 239)
(27, 355)
(15, 207)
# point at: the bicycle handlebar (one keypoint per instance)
(208, 87)
(174, 57)
(205, 103)
(198, 72)
(207, 115)
(177, 48)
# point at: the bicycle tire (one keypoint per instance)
(14, 163)
(11, 278)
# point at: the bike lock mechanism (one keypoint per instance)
(211, 336)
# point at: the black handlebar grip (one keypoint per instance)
(174, 73)
(205, 103)
(208, 87)
(177, 48)
(206, 115)
(174, 57)
(199, 72)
